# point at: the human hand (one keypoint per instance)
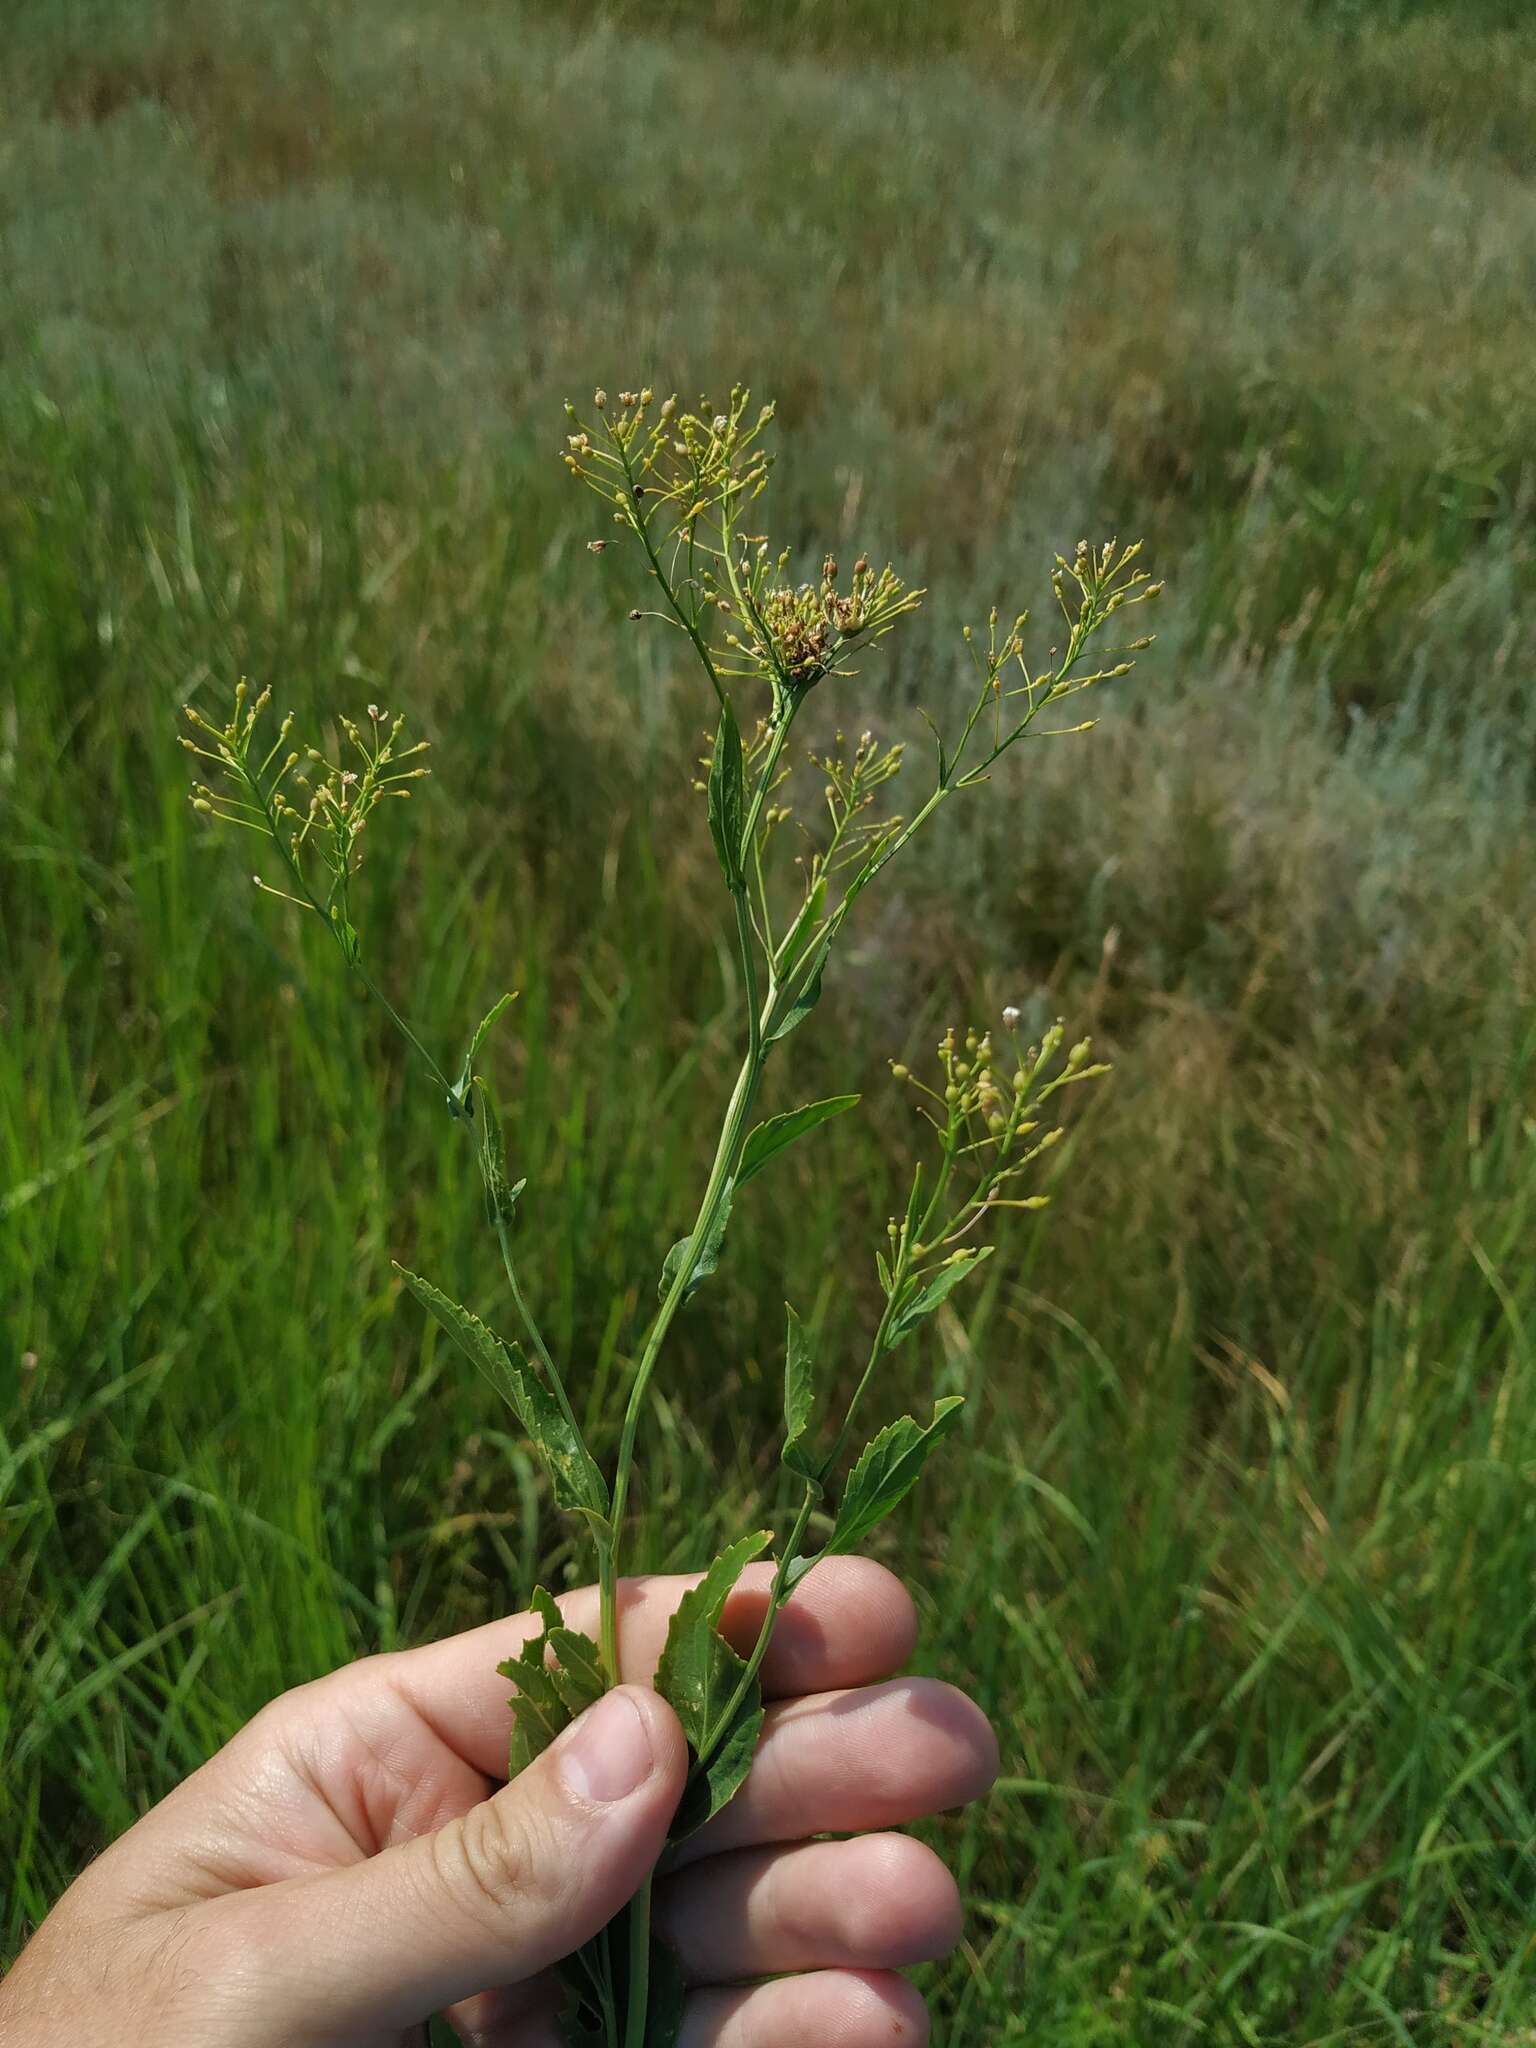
(347, 1866)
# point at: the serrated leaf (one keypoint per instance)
(887, 1470)
(578, 1485)
(688, 1674)
(699, 1674)
(725, 802)
(579, 1671)
(776, 1132)
(810, 993)
(926, 1300)
(709, 1257)
(799, 1398)
(549, 1696)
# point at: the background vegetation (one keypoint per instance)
(1241, 1550)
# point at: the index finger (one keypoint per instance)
(849, 1623)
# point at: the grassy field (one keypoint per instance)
(1239, 1549)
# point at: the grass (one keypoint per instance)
(1245, 1578)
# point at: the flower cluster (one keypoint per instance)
(665, 470)
(803, 633)
(986, 1110)
(679, 482)
(314, 812)
(851, 793)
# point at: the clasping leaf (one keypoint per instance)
(799, 1399)
(808, 994)
(726, 810)
(709, 1255)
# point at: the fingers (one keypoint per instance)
(843, 1762)
(848, 2008)
(493, 1897)
(881, 1902)
(848, 1623)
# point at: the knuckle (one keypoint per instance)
(497, 1856)
(488, 1857)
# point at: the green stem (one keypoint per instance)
(875, 1351)
(608, 1605)
(732, 1134)
(535, 1335)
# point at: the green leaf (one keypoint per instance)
(549, 1696)
(578, 1485)
(809, 995)
(729, 1762)
(500, 1199)
(808, 915)
(460, 1096)
(799, 1399)
(688, 1674)
(938, 741)
(578, 1669)
(725, 801)
(698, 1675)
(709, 1257)
(771, 1136)
(885, 1474)
(923, 1303)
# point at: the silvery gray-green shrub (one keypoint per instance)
(680, 488)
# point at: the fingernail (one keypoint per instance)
(607, 1755)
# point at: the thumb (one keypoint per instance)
(493, 1897)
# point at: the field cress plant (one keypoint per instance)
(680, 488)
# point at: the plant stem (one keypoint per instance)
(875, 1350)
(732, 1133)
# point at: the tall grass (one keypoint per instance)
(286, 303)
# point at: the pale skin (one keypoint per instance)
(351, 1863)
